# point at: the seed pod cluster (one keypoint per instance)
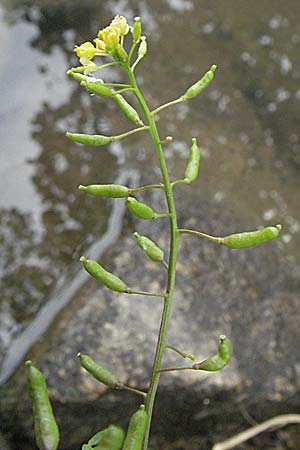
(128, 110)
(136, 430)
(96, 87)
(251, 238)
(106, 278)
(111, 438)
(90, 139)
(218, 361)
(150, 248)
(101, 374)
(140, 209)
(106, 190)
(202, 84)
(192, 168)
(45, 427)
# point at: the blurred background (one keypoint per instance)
(247, 125)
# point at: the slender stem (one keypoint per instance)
(165, 264)
(184, 181)
(183, 354)
(113, 63)
(166, 105)
(128, 133)
(173, 369)
(122, 85)
(131, 389)
(134, 44)
(144, 188)
(160, 216)
(147, 294)
(160, 348)
(217, 240)
(124, 90)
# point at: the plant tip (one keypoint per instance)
(28, 363)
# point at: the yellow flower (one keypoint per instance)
(88, 66)
(110, 36)
(120, 23)
(86, 49)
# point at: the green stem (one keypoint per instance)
(124, 90)
(147, 294)
(144, 188)
(131, 389)
(216, 240)
(184, 181)
(128, 133)
(160, 348)
(166, 105)
(183, 354)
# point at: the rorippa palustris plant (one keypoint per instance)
(112, 42)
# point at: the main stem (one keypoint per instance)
(161, 342)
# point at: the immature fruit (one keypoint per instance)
(102, 375)
(202, 84)
(106, 190)
(192, 168)
(140, 209)
(150, 248)
(99, 273)
(111, 438)
(45, 427)
(127, 110)
(97, 87)
(90, 139)
(136, 430)
(251, 238)
(218, 361)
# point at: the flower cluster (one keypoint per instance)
(109, 42)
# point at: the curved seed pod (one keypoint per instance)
(106, 190)
(99, 273)
(192, 168)
(111, 438)
(96, 87)
(128, 110)
(198, 87)
(218, 361)
(136, 30)
(102, 375)
(90, 139)
(251, 238)
(136, 430)
(139, 209)
(45, 427)
(142, 48)
(150, 248)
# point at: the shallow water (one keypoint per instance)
(247, 123)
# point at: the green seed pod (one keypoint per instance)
(136, 30)
(106, 190)
(45, 427)
(99, 273)
(142, 48)
(140, 209)
(127, 110)
(136, 430)
(77, 75)
(198, 87)
(102, 375)
(218, 361)
(192, 168)
(90, 139)
(251, 238)
(153, 251)
(111, 438)
(96, 87)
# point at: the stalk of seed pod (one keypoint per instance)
(106, 190)
(202, 84)
(192, 168)
(97, 87)
(101, 374)
(45, 427)
(140, 209)
(150, 248)
(106, 278)
(111, 438)
(128, 110)
(251, 238)
(218, 361)
(136, 430)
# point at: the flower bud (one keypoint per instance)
(86, 49)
